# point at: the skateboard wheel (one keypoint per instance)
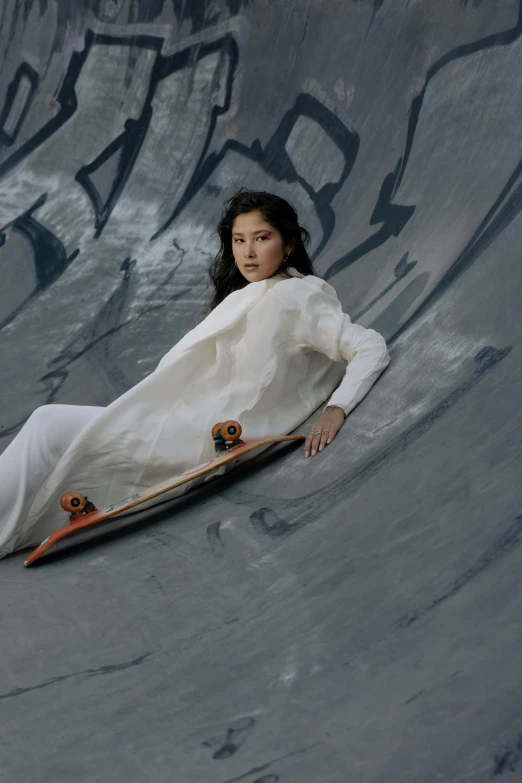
(74, 502)
(231, 430)
(216, 428)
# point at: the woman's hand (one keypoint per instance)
(325, 430)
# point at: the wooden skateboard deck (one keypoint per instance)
(229, 447)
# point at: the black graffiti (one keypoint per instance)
(506, 207)
(110, 668)
(502, 546)
(330, 495)
(394, 217)
(275, 161)
(509, 759)
(214, 539)
(237, 733)
(502, 213)
(18, 100)
(127, 146)
(50, 258)
(275, 528)
(401, 270)
(273, 158)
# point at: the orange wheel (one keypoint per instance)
(231, 430)
(216, 428)
(74, 502)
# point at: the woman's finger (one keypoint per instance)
(334, 429)
(328, 436)
(322, 439)
(319, 440)
(308, 444)
(313, 440)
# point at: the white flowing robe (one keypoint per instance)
(267, 356)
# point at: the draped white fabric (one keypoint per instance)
(267, 356)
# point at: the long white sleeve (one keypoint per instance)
(367, 356)
(329, 331)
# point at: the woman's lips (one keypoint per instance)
(251, 266)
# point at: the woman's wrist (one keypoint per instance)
(336, 406)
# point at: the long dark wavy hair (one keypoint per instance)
(223, 272)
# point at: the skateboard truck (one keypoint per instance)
(77, 505)
(226, 435)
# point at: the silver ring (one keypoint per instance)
(318, 432)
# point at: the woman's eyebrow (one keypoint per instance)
(262, 231)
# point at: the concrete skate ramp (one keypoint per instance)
(356, 616)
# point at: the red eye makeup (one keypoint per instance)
(265, 235)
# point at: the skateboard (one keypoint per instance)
(83, 513)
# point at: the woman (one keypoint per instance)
(273, 346)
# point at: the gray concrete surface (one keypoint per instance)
(356, 616)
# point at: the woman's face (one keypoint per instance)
(254, 241)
